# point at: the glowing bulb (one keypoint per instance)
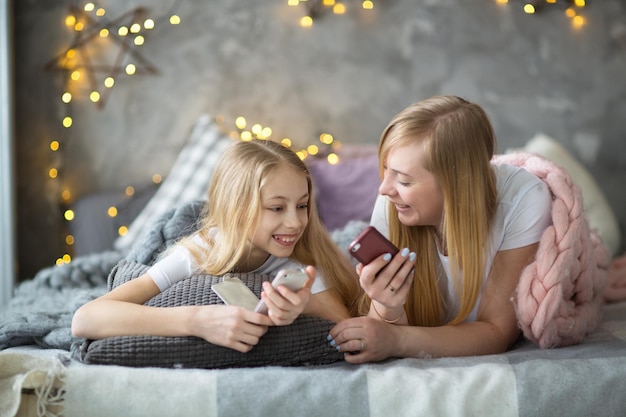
(79, 26)
(53, 173)
(122, 230)
(256, 128)
(66, 195)
(339, 8)
(240, 122)
(293, 2)
(302, 154)
(156, 178)
(66, 97)
(104, 32)
(332, 158)
(122, 31)
(71, 53)
(326, 138)
(329, 2)
(100, 12)
(246, 136)
(67, 258)
(267, 132)
(135, 28)
(312, 149)
(109, 82)
(139, 40)
(54, 145)
(69, 215)
(529, 8)
(175, 20)
(579, 3)
(70, 20)
(75, 76)
(94, 96)
(306, 22)
(130, 69)
(89, 7)
(578, 21)
(569, 12)
(286, 142)
(69, 240)
(67, 121)
(148, 24)
(129, 191)
(112, 211)
(368, 4)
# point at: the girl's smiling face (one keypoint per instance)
(413, 190)
(284, 214)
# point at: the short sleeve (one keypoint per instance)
(529, 216)
(173, 268)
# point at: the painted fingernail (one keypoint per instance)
(405, 252)
(412, 256)
(387, 257)
(333, 343)
(329, 337)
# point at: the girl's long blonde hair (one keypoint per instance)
(234, 205)
(459, 142)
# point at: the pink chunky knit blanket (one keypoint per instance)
(560, 294)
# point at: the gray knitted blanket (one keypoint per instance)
(41, 310)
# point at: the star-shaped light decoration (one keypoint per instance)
(101, 50)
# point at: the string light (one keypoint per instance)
(85, 24)
(260, 132)
(572, 10)
(315, 8)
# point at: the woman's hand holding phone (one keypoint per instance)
(386, 281)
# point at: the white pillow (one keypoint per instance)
(187, 181)
(599, 213)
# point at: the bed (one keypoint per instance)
(46, 371)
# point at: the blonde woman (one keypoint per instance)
(259, 218)
(466, 227)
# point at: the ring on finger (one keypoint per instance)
(391, 289)
(362, 344)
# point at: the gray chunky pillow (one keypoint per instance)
(301, 343)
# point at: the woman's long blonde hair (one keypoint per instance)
(459, 142)
(234, 205)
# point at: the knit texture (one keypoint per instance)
(559, 295)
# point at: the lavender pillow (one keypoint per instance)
(346, 191)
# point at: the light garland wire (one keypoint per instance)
(79, 19)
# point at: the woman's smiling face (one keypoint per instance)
(413, 190)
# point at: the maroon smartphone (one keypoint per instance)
(369, 245)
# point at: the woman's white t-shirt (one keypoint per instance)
(180, 264)
(522, 215)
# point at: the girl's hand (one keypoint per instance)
(388, 280)
(230, 326)
(285, 305)
(364, 339)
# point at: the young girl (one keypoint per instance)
(472, 227)
(260, 217)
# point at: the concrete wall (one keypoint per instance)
(347, 75)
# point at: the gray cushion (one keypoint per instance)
(301, 343)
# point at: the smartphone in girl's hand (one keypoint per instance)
(369, 245)
(293, 279)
